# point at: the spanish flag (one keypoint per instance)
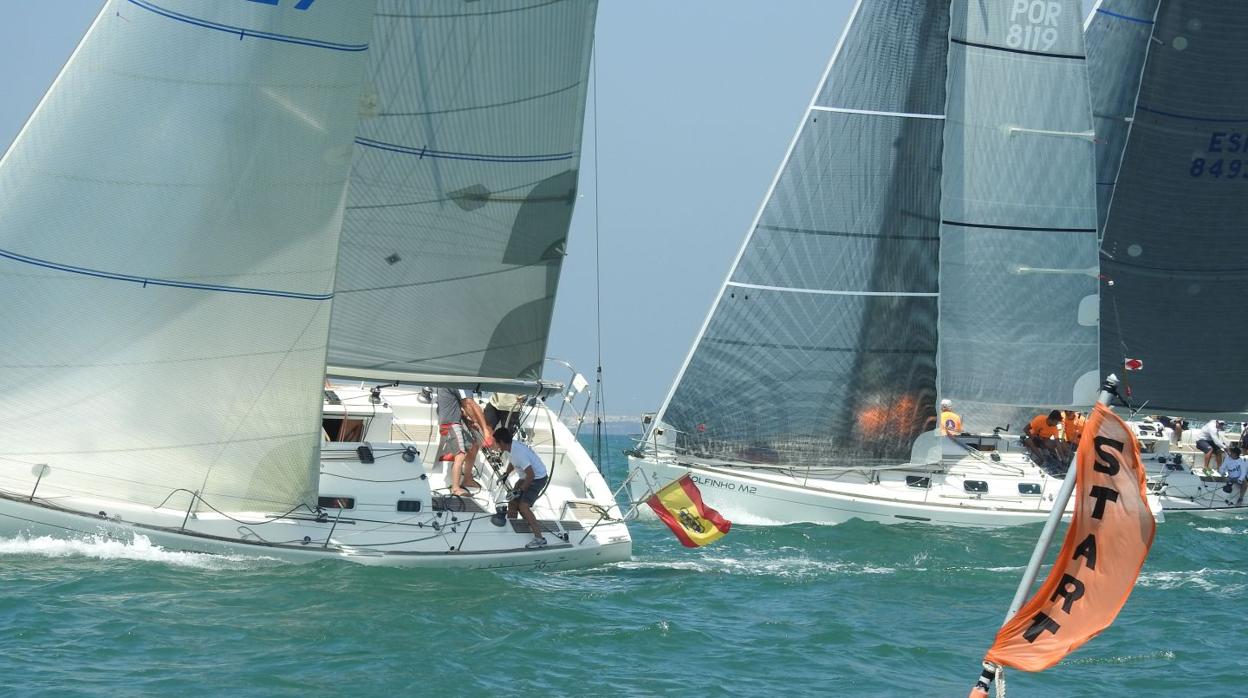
(1106, 544)
(680, 506)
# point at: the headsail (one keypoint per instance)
(821, 348)
(169, 222)
(1018, 304)
(1117, 34)
(463, 185)
(1173, 236)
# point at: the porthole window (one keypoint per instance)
(1028, 488)
(975, 486)
(922, 483)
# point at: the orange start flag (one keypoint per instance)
(1106, 545)
(679, 504)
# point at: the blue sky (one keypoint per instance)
(698, 100)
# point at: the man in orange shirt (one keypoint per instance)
(1072, 428)
(950, 421)
(1042, 437)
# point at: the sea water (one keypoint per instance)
(859, 609)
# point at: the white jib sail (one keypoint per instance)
(169, 222)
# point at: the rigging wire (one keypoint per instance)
(599, 402)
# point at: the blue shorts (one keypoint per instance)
(530, 495)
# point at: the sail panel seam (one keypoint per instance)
(426, 152)
(1209, 119)
(1126, 17)
(838, 233)
(810, 347)
(871, 112)
(1028, 228)
(826, 292)
(1073, 56)
(171, 283)
(244, 32)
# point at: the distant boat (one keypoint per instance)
(931, 234)
(1169, 88)
(200, 186)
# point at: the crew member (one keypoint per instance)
(1210, 442)
(1236, 471)
(459, 444)
(1042, 437)
(532, 475)
(950, 421)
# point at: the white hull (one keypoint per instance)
(1176, 474)
(771, 496)
(392, 513)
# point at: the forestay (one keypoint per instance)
(1173, 240)
(821, 347)
(1018, 305)
(169, 222)
(463, 186)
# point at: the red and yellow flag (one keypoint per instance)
(680, 506)
(1106, 545)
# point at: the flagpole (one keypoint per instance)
(1108, 390)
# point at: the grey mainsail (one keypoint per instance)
(821, 348)
(1171, 242)
(933, 226)
(463, 186)
(1018, 306)
(1117, 34)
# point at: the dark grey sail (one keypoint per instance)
(821, 348)
(1018, 306)
(1117, 34)
(1173, 236)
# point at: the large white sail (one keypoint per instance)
(463, 186)
(169, 222)
(1018, 305)
(821, 348)
(1173, 235)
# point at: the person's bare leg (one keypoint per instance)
(470, 464)
(457, 471)
(529, 518)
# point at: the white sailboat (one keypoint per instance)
(931, 234)
(171, 249)
(1172, 215)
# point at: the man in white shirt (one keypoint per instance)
(1210, 442)
(1236, 471)
(532, 474)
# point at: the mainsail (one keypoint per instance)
(169, 222)
(821, 347)
(932, 225)
(462, 188)
(1018, 305)
(1172, 237)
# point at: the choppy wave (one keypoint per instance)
(1202, 578)
(140, 549)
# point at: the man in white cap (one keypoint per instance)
(950, 421)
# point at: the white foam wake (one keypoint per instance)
(139, 549)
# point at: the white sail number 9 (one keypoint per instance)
(1034, 25)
